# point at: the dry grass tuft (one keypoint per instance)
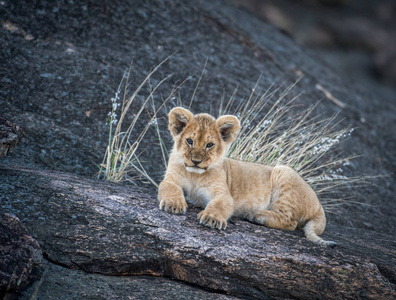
(121, 158)
(270, 135)
(274, 135)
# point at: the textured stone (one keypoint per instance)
(10, 134)
(19, 253)
(118, 230)
(58, 282)
(59, 84)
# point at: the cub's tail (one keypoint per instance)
(314, 227)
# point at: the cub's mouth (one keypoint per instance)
(195, 169)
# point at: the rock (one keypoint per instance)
(58, 282)
(20, 253)
(103, 228)
(356, 28)
(67, 112)
(10, 134)
(385, 64)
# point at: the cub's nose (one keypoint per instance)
(196, 161)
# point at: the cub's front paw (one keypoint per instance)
(173, 205)
(212, 219)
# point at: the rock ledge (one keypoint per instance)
(109, 229)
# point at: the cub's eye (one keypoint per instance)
(190, 142)
(209, 145)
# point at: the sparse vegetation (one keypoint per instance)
(274, 135)
(121, 158)
(270, 134)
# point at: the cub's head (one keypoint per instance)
(200, 140)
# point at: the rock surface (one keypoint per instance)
(58, 79)
(77, 284)
(118, 230)
(353, 26)
(10, 134)
(19, 254)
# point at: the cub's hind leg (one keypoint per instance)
(293, 203)
(281, 211)
(278, 218)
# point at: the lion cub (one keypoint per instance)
(276, 197)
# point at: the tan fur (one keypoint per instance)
(273, 196)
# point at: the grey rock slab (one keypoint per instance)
(57, 282)
(10, 134)
(20, 253)
(99, 227)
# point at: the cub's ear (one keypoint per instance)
(178, 119)
(228, 126)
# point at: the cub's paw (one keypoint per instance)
(173, 205)
(212, 219)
